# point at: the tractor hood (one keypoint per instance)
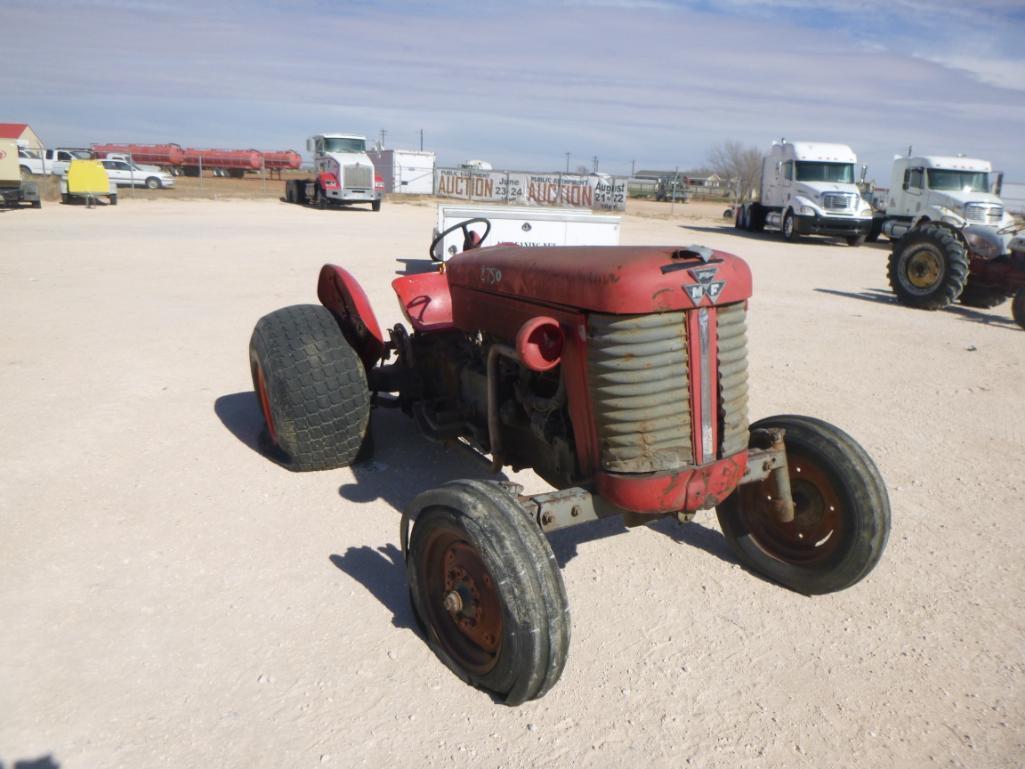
(622, 280)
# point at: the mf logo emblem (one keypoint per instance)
(706, 285)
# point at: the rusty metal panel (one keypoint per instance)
(732, 333)
(638, 375)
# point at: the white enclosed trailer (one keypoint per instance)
(808, 188)
(405, 171)
(525, 227)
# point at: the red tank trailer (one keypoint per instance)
(155, 154)
(235, 162)
(282, 160)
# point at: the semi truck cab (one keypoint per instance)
(944, 188)
(345, 172)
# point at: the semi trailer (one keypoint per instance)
(808, 188)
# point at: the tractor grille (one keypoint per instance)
(838, 201)
(359, 176)
(733, 378)
(639, 388)
(983, 213)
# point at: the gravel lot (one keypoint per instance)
(168, 597)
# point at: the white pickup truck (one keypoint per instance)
(53, 161)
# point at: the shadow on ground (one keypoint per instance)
(881, 296)
(383, 573)
(43, 762)
(240, 413)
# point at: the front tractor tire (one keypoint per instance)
(311, 386)
(842, 512)
(983, 297)
(928, 267)
(486, 587)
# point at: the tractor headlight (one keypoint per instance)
(865, 212)
(807, 210)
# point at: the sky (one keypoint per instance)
(637, 83)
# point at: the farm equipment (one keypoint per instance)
(937, 263)
(619, 375)
(87, 180)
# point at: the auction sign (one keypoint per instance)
(526, 189)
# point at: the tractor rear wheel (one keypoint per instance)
(983, 297)
(928, 267)
(842, 512)
(311, 386)
(485, 584)
(1018, 307)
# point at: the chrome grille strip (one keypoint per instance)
(360, 176)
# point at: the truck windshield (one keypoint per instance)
(344, 145)
(813, 171)
(81, 154)
(961, 181)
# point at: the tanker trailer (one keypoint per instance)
(233, 163)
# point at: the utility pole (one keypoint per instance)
(383, 134)
(596, 164)
(633, 167)
(567, 162)
(421, 140)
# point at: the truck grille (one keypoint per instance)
(639, 388)
(838, 201)
(733, 378)
(984, 213)
(358, 176)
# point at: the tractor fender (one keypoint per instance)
(339, 292)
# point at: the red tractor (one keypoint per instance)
(619, 375)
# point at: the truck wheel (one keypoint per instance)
(928, 267)
(789, 229)
(1018, 308)
(485, 585)
(311, 385)
(321, 198)
(756, 218)
(855, 240)
(153, 183)
(300, 192)
(842, 516)
(376, 205)
(983, 297)
(738, 220)
(875, 229)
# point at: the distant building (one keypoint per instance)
(23, 134)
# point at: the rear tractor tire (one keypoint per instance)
(842, 512)
(1018, 308)
(928, 267)
(983, 297)
(311, 386)
(485, 584)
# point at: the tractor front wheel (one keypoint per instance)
(842, 512)
(486, 587)
(311, 386)
(1018, 307)
(928, 267)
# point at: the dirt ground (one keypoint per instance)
(171, 598)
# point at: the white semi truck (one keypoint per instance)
(808, 188)
(933, 188)
(344, 174)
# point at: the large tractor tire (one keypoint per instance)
(983, 297)
(842, 512)
(1018, 307)
(312, 387)
(486, 587)
(928, 267)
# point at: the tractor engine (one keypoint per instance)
(451, 401)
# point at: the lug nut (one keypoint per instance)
(453, 602)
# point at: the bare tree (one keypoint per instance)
(733, 161)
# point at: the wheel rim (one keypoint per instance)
(924, 268)
(461, 601)
(815, 534)
(261, 392)
(788, 226)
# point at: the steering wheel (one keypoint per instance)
(469, 236)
